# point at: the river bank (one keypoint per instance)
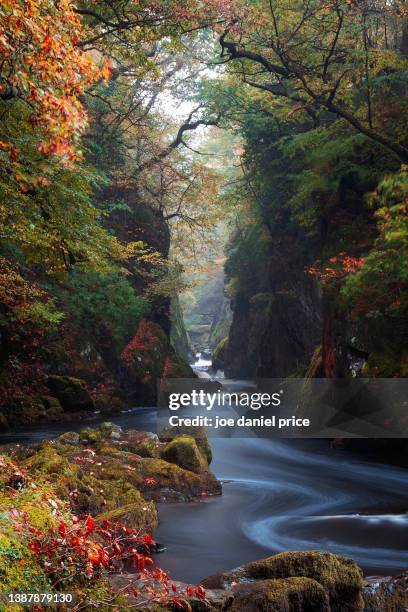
(277, 496)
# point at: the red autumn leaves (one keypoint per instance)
(85, 548)
(43, 67)
(79, 550)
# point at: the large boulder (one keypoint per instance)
(281, 595)
(198, 433)
(340, 577)
(71, 392)
(183, 451)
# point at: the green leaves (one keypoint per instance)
(102, 305)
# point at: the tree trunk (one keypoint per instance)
(404, 42)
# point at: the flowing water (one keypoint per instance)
(289, 495)
(279, 495)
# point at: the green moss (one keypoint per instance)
(25, 411)
(69, 437)
(220, 354)
(184, 452)
(281, 595)
(341, 577)
(198, 433)
(146, 448)
(19, 571)
(107, 490)
(91, 436)
(71, 392)
(168, 476)
(141, 515)
(108, 404)
(48, 460)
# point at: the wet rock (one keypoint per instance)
(198, 433)
(281, 595)
(69, 437)
(71, 392)
(386, 594)
(108, 404)
(108, 428)
(340, 577)
(183, 451)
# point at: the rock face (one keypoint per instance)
(220, 354)
(208, 317)
(87, 351)
(147, 358)
(71, 393)
(277, 320)
(310, 581)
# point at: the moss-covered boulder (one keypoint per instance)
(109, 473)
(92, 482)
(69, 437)
(71, 392)
(108, 404)
(198, 433)
(26, 412)
(183, 451)
(48, 461)
(281, 595)
(340, 577)
(142, 443)
(52, 405)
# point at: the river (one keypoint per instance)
(279, 495)
(289, 495)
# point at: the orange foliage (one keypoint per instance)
(339, 267)
(43, 67)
